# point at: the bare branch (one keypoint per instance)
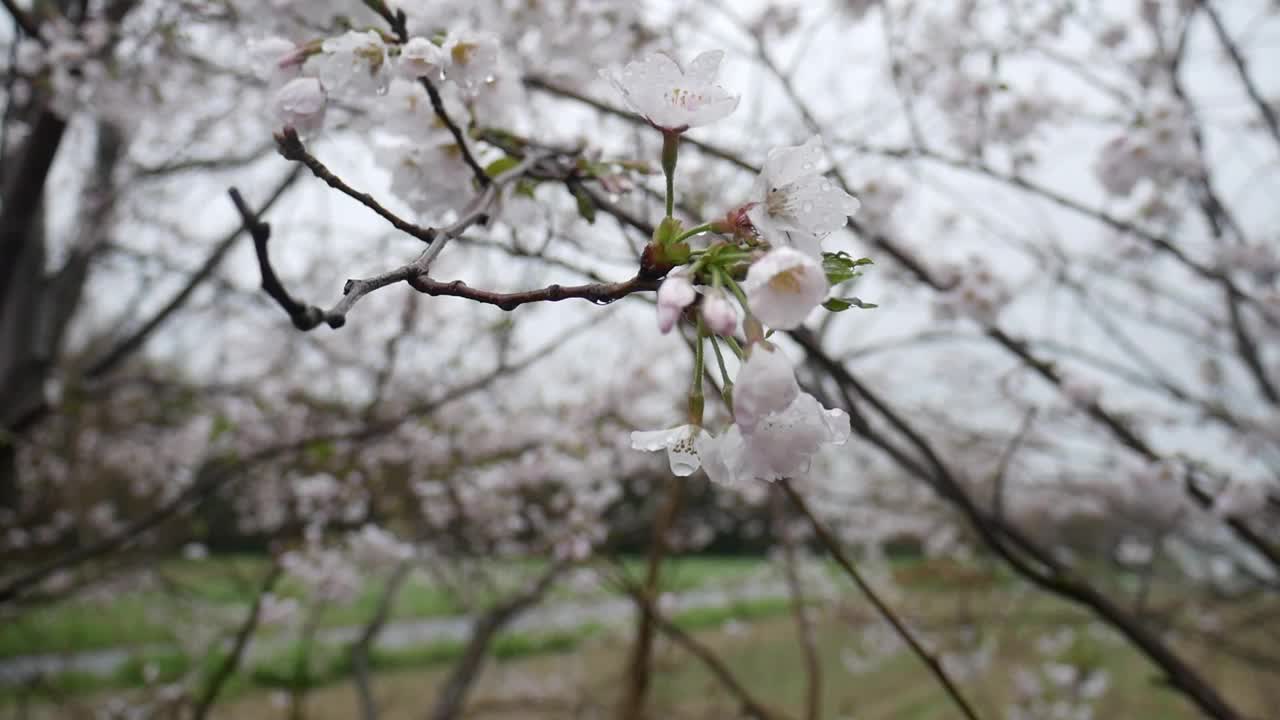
(135, 340)
(833, 546)
(291, 147)
(361, 647)
(304, 317)
(1242, 69)
(598, 293)
(752, 707)
(482, 178)
(24, 22)
(450, 702)
(228, 666)
(639, 665)
(804, 626)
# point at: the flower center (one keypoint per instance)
(787, 281)
(777, 202)
(462, 52)
(685, 99)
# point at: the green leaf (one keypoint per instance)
(842, 304)
(667, 231)
(501, 165)
(586, 206)
(221, 425)
(320, 451)
(842, 267)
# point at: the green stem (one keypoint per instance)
(693, 231)
(726, 391)
(736, 348)
(695, 393)
(736, 290)
(670, 152)
(698, 360)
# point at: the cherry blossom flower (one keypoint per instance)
(718, 313)
(672, 98)
(300, 104)
(795, 205)
(784, 286)
(679, 442)
(766, 384)
(674, 295)
(474, 59)
(777, 430)
(355, 63)
(374, 546)
(422, 58)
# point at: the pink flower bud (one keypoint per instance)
(674, 295)
(719, 313)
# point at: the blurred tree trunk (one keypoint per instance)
(37, 306)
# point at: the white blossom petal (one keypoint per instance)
(766, 384)
(679, 442)
(794, 202)
(674, 295)
(671, 98)
(784, 286)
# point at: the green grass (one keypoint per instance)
(766, 658)
(327, 665)
(189, 589)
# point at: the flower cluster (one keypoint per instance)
(767, 255)
(358, 64)
(1157, 148)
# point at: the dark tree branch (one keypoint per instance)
(304, 317)
(598, 293)
(361, 648)
(437, 103)
(752, 708)
(135, 340)
(799, 610)
(453, 696)
(833, 546)
(27, 25)
(1038, 566)
(639, 665)
(291, 147)
(1242, 69)
(228, 666)
(1219, 218)
(215, 474)
(23, 190)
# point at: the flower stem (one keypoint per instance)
(693, 231)
(736, 348)
(670, 151)
(695, 393)
(752, 326)
(726, 391)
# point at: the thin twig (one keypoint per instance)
(304, 316)
(363, 645)
(751, 707)
(799, 610)
(26, 23)
(837, 552)
(1242, 69)
(139, 336)
(291, 147)
(639, 665)
(598, 293)
(450, 701)
(228, 666)
(437, 103)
